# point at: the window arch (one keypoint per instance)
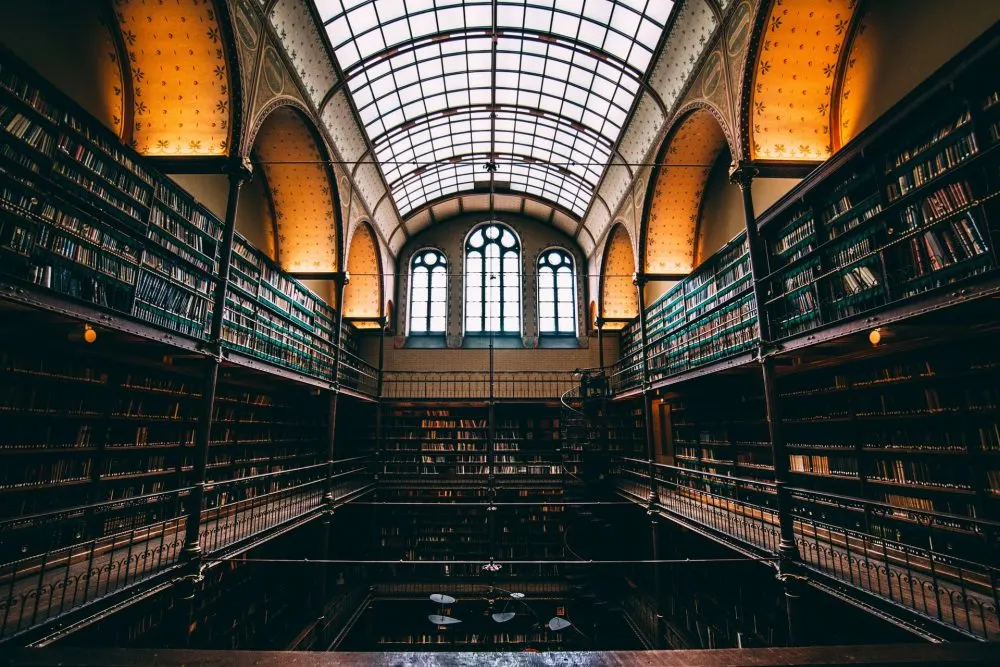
(428, 292)
(556, 293)
(493, 280)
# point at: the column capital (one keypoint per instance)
(742, 174)
(241, 170)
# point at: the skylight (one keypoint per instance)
(547, 100)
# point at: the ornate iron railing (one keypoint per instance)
(357, 374)
(476, 384)
(47, 580)
(907, 557)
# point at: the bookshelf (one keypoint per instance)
(707, 317)
(906, 210)
(916, 430)
(82, 215)
(273, 317)
(256, 431)
(436, 456)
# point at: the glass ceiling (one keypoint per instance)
(548, 98)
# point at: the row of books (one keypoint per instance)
(902, 471)
(823, 465)
(937, 205)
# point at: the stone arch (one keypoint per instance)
(295, 163)
(800, 52)
(363, 294)
(618, 295)
(183, 77)
(668, 237)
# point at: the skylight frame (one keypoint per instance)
(430, 69)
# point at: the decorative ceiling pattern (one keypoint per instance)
(297, 29)
(301, 193)
(427, 80)
(676, 203)
(619, 297)
(859, 75)
(689, 36)
(180, 76)
(692, 30)
(363, 294)
(790, 112)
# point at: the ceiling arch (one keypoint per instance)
(302, 190)
(619, 296)
(363, 294)
(447, 80)
(180, 75)
(676, 190)
(794, 78)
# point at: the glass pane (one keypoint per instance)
(547, 324)
(473, 325)
(511, 294)
(419, 278)
(439, 309)
(546, 310)
(564, 277)
(439, 278)
(511, 324)
(566, 324)
(438, 324)
(492, 324)
(418, 325)
(545, 279)
(565, 295)
(419, 309)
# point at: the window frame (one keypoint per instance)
(555, 293)
(483, 316)
(443, 261)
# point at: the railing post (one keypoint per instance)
(192, 552)
(788, 554)
(600, 342)
(639, 280)
(379, 407)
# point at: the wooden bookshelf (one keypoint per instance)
(83, 216)
(906, 210)
(707, 317)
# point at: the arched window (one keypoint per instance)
(428, 292)
(493, 280)
(556, 293)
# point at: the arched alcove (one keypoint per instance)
(619, 298)
(181, 77)
(289, 155)
(363, 294)
(669, 236)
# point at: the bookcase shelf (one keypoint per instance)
(906, 209)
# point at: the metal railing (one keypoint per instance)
(476, 384)
(901, 555)
(46, 583)
(357, 374)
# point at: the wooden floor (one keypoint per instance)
(899, 655)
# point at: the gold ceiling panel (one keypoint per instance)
(620, 297)
(790, 112)
(180, 76)
(680, 185)
(301, 192)
(362, 295)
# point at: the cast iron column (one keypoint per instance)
(192, 551)
(788, 554)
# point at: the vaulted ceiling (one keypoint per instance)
(542, 89)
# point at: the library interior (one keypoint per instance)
(477, 332)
